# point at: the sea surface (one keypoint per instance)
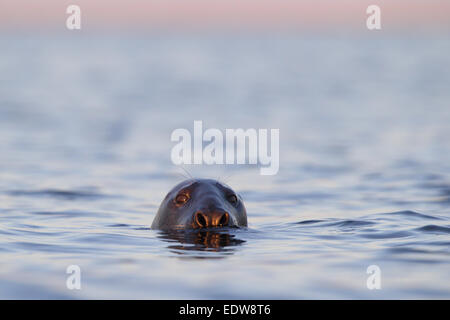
(364, 178)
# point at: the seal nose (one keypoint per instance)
(211, 219)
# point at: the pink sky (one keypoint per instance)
(224, 13)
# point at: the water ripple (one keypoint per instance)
(58, 194)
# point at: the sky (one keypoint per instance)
(204, 14)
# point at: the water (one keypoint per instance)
(85, 124)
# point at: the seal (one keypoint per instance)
(200, 203)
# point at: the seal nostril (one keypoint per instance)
(224, 219)
(200, 220)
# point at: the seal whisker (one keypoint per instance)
(185, 174)
(181, 175)
(226, 178)
(189, 175)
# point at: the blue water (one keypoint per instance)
(364, 179)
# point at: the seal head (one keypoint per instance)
(200, 203)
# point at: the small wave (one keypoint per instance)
(44, 247)
(407, 250)
(351, 223)
(70, 214)
(295, 197)
(309, 221)
(411, 214)
(5, 232)
(386, 235)
(56, 193)
(337, 223)
(431, 228)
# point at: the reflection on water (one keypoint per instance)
(192, 241)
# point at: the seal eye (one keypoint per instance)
(181, 199)
(232, 198)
